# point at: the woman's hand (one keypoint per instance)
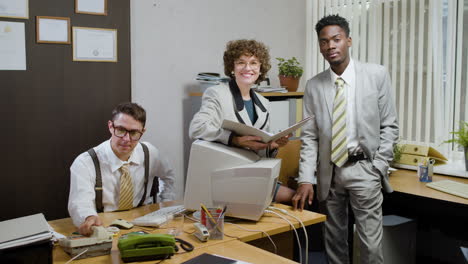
(280, 142)
(249, 142)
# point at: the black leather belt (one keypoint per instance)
(357, 157)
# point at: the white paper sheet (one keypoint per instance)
(94, 44)
(53, 30)
(14, 8)
(12, 46)
(91, 6)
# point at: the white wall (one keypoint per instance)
(173, 40)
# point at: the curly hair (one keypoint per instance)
(332, 20)
(236, 48)
(132, 109)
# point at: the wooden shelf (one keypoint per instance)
(289, 94)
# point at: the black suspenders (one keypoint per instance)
(98, 186)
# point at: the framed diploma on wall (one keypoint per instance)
(14, 8)
(94, 44)
(91, 7)
(53, 30)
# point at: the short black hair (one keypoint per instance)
(132, 109)
(331, 20)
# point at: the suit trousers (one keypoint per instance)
(358, 184)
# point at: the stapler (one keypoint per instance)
(201, 232)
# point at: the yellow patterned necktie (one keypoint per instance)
(339, 143)
(126, 189)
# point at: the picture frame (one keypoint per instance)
(91, 7)
(94, 44)
(53, 30)
(15, 9)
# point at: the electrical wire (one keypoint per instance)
(303, 228)
(75, 257)
(251, 230)
(293, 228)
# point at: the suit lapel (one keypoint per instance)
(328, 92)
(241, 112)
(358, 90)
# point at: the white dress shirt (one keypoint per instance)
(349, 77)
(83, 178)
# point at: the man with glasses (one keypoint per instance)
(121, 163)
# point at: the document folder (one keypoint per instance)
(245, 130)
(415, 154)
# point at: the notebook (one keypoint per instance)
(23, 231)
(206, 258)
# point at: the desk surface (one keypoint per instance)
(229, 246)
(407, 181)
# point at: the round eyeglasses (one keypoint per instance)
(242, 64)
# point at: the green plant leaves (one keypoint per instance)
(290, 67)
(460, 137)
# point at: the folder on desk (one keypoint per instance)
(415, 154)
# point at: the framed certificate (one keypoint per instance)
(94, 44)
(53, 30)
(14, 8)
(91, 7)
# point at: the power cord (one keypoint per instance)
(75, 257)
(303, 228)
(293, 228)
(251, 230)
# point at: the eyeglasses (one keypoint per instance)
(242, 64)
(122, 132)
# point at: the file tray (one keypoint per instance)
(415, 154)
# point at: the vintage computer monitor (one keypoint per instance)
(220, 175)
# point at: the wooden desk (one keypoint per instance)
(231, 246)
(407, 181)
(441, 217)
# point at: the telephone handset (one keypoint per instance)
(142, 247)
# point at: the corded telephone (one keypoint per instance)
(142, 247)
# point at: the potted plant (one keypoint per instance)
(460, 137)
(290, 71)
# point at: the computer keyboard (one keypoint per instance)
(451, 187)
(159, 216)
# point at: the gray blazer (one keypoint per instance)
(224, 101)
(377, 127)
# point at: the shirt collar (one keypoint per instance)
(115, 163)
(347, 75)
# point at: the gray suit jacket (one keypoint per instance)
(377, 127)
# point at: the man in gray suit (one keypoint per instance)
(348, 145)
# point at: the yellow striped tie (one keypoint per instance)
(339, 144)
(126, 189)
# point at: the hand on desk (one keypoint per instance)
(85, 228)
(304, 192)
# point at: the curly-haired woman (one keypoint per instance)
(247, 63)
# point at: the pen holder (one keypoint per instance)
(215, 226)
(425, 171)
(214, 222)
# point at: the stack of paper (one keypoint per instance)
(23, 231)
(207, 79)
(269, 89)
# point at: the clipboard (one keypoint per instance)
(245, 130)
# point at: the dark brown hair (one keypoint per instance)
(132, 109)
(236, 48)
